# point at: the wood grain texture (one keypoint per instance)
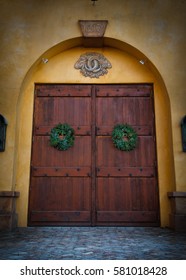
(93, 183)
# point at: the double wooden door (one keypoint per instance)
(93, 183)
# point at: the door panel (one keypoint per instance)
(93, 183)
(142, 156)
(126, 190)
(78, 156)
(60, 200)
(50, 110)
(60, 188)
(124, 109)
(126, 200)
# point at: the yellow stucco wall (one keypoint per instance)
(32, 29)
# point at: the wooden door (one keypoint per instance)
(126, 184)
(60, 189)
(93, 183)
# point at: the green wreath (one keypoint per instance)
(62, 137)
(124, 137)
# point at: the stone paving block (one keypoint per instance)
(92, 243)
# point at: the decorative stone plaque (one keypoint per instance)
(93, 28)
(93, 65)
(93, 32)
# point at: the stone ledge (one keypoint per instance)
(176, 194)
(9, 194)
(178, 202)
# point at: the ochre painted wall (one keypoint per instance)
(33, 29)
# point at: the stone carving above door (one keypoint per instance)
(93, 28)
(93, 65)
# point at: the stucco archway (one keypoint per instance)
(126, 68)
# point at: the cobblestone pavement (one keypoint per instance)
(92, 243)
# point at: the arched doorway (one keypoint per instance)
(126, 69)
